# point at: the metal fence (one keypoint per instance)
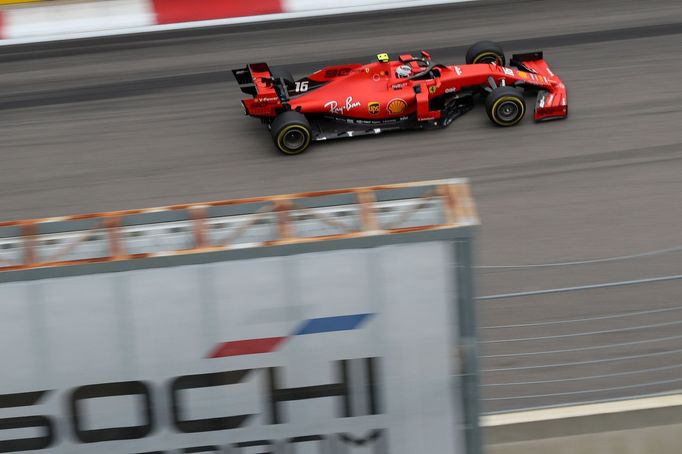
(583, 343)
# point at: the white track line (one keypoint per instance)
(503, 419)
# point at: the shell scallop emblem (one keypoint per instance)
(396, 106)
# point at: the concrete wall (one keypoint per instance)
(641, 426)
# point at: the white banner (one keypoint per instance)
(330, 352)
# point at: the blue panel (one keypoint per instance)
(328, 324)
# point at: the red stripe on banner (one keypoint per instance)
(174, 11)
(246, 347)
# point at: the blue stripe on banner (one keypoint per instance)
(328, 324)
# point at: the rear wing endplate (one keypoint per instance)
(245, 77)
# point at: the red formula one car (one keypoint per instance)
(407, 93)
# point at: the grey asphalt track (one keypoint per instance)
(155, 119)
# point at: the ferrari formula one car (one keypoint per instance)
(407, 93)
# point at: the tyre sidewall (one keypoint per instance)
(286, 122)
(483, 49)
(480, 56)
(279, 139)
(498, 98)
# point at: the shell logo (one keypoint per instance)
(396, 106)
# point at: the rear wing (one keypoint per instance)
(269, 95)
(252, 77)
(551, 103)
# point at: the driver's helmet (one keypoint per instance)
(403, 71)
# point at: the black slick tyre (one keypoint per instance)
(505, 106)
(291, 132)
(485, 52)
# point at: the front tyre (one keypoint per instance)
(291, 132)
(505, 106)
(485, 52)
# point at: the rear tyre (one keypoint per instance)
(505, 106)
(485, 52)
(291, 132)
(283, 73)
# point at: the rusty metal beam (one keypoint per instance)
(198, 215)
(457, 207)
(29, 231)
(113, 229)
(368, 217)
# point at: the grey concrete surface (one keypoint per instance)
(642, 439)
(627, 427)
(105, 125)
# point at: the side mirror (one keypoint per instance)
(426, 55)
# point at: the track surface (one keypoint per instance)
(154, 120)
